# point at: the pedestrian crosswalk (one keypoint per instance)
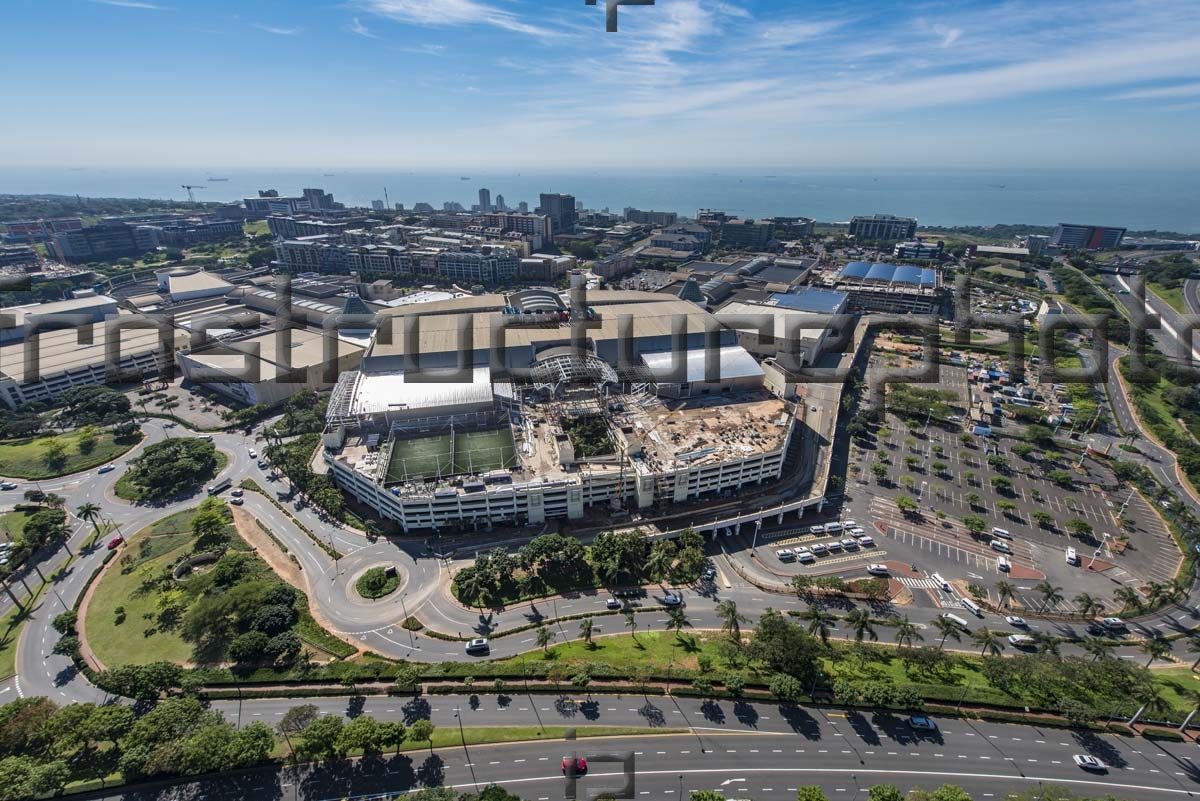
(919, 583)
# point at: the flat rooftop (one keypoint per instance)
(61, 350)
(307, 350)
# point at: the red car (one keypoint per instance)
(576, 765)
(114, 542)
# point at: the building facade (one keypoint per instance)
(1086, 237)
(561, 211)
(883, 226)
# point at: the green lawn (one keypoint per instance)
(1173, 297)
(13, 523)
(137, 641)
(483, 735)
(10, 630)
(26, 458)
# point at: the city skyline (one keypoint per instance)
(684, 84)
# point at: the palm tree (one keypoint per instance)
(54, 500)
(731, 620)
(907, 634)
(1047, 644)
(631, 623)
(544, 636)
(1097, 648)
(1004, 591)
(989, 642)
(947, 628)
(1155, 648)
(1193, 641)
(90, 513)
(1159, 592)
(860, 621)
(1089, 605)
(585, 630)
(1050, 594)
(677, 620)
(659, 560)
(1128, 597)
(820, 622)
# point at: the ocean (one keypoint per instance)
(1135, 199)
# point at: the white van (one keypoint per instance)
(819, 528)
(1002, 533)
(1072, 557)
(1003, 565)
(945, 585)
(833, 528)
(1022, 640)
(958, 621)
(972, 607)
(1000, 545)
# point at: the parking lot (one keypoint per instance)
(1046, 497)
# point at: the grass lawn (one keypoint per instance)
(653, 649)
(26, 458)
(13, 523)
(137, 640)
(10, 631)
(1173, 297)
(483, 735)
(125, 489)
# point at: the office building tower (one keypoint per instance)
(883, 226)
(561, 210)
(1086, 237)
(485, 200)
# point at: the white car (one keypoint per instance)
(850, 524)
(253, 454)
(1014, 620)
(866, 541)
(1001, 546)
(858, 531)
(1089, 762)
(785, 555)
(1113, 623)
(819, 549)
(850, 544)
(877, 570)
(1072, 557)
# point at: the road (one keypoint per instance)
(762, 751)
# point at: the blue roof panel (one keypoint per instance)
(890, 273)
(816, 301)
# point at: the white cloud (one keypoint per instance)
(277, 30)
(425, 49)
(450, 13)
(1181, 90)
(360, 29)
(949, 35)
(130, 4)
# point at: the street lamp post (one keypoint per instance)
(404, 609)
(680, 787)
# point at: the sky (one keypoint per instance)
(541, 84)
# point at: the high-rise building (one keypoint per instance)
(883, 226)
(561, 211)
(485, 200)
(749, 234)
(1086, 237)
(377, 205)
(500, 206)
(103, 242)
(523, 207)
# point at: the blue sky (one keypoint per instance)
(539, 83)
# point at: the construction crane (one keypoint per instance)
(189, 188)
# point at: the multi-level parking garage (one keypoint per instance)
(609, 408)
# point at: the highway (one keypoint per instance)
(760, 751)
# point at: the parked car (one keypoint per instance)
(850, 544)
(785, 554)
(253, 454)
(866, 542)
(1072, 557)
(819, 549)
(1000, 545)
(114, 542)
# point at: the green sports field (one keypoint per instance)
(430, 457)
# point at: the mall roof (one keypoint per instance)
(816, 301)
(889, 273)
(732, 362)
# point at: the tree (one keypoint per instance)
(90, 513)
(1051, 595)
(1004, 592)
(989, 642)
(361, 734)
(1128, 597)
(392, 733)
(544, 636)
(1155, 648)
(860, 621)
(209, 525)
(585, 631)
(422, 731)
(171, 467)
(785, 687)
(820, 622)
(1043, 519)
(631, 623)
(907, 504)
(1078, 527)
(1088, 605)
(885, 792)
(677, 621)
(1097, 648)
(974, 524)
(731, 619)
(946, 628)
(972, 498)
(95, 404)
(322, 737)
(295, 721)
(811, 792)
(906, 633)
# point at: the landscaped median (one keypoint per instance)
(43, 457)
